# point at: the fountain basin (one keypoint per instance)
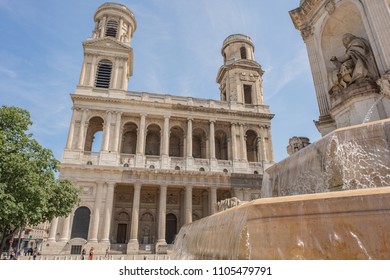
(355, 157)
(352, 224)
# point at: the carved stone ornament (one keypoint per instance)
(173, 199)
(307, 32)
(384, 84)
(250, 77)
(86, 190)
(330, 7)
(124, 198)
(148, 198)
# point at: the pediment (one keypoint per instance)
(106, 43)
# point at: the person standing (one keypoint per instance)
(91, 252)
(83, 252)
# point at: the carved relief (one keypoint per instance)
(124, 197)
(148, 198)
(196, 199)
(307, 32)
(249, 77)
(86, 190)
(173, 199)
(330, 7)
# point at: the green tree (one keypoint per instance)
(29, 191)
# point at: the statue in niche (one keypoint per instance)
(357, 63)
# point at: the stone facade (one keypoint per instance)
(164, 160)
(346, 74)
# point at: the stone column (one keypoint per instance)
(133, 242)
(53, 230)
(107, 132)
(165, 142)
(96, 213)
(117, 132)
(108, 212)
(80, 143)
(234, 142)
(141, 135)
(114, 77)
(162, 216)
(65, 229)
(319, 84)
(213, 200)
(82, 74)
(189, 137)
(93, 72)
(212, 139)
(103, 27)
(69, 142)
(244, 155)
(379, 17)
(263, 152)
(188, 204)
(269, 144)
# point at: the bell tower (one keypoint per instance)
(240, 77)
(108, 57)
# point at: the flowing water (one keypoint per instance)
(347, 160)
(369, 113)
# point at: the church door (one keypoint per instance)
(121, 235)
(171, 228)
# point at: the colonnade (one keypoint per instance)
(113, 126)
(101, 222)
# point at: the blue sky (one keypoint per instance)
(176, 51)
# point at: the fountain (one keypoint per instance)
(330, 200)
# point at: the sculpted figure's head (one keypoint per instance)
(347, 39)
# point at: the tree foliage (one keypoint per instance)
(29, 191)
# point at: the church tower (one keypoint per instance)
(240, 77)
(108, 57)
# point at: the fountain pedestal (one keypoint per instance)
(350, 105)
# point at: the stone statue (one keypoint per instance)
(357, 63)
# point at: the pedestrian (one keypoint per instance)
(91, 254)
(107, 256)
(83, 252)
(35, 253)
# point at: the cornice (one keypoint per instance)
(302, 15)
(241, 64)
(180, 107)
(106, 43)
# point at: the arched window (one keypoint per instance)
(111, 28)
(80, 226)
(103, 74)
(176, 142)
(93, 141)
(243, 52)
(129, 139)
(221, 146)
(199, 143)
(251, 146)
(152, 146)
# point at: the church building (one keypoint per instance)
(163, 160)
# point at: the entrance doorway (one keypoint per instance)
(171, 228)
(121, 233)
